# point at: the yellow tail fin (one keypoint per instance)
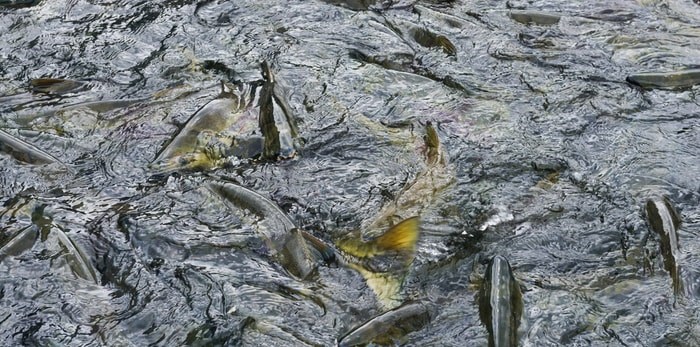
(400, 237)
(383, 261)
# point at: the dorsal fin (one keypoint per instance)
(267, 72)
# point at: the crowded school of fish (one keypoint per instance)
(252, 120)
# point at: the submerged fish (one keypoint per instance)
(65, 251)
(665, 221)
(534, 17)
(284, 241)
(669, 80)
(24, 151)
(500, 303)
(389, 327)
(422, 191)
(19, 3)
(55, 85)
(383, 260)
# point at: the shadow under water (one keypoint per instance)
(292, 173)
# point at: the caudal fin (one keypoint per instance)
(400, 237)
(383, 261)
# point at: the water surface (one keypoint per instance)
(554, 155)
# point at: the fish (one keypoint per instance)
(18, 3)
(418, 194)
(391, 326)
(534, 17)
(276, 120)
(70, 255)
(284, 241)
(20, 241)
(428, 39)
(197, 145)
(665, 221)
(24, 151)
(500, 303)
(225, 127)
(383, 260)
(666, 80)
(56, 86)
(298, 251)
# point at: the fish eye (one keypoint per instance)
(183, 160)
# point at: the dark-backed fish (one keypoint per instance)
(665, 221)
(276, 120)
(389, 327)
(18, 3)
(285, 242)
(429, 39)
(666, 80)
(500, 303)
(55, 85)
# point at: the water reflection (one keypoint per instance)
(559, 122)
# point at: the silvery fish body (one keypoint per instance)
(500, 303)
(665, 221)
(216, 116)
(247, 120)
(666, 80)
(389, 327)
(284, 241)
(24, 151)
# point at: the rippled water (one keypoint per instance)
(553, 151)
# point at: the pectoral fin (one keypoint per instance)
(326, 252)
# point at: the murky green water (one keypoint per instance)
(553, 153)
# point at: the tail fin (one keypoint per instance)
(385, 285)
(400, 238)
(383, 261)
